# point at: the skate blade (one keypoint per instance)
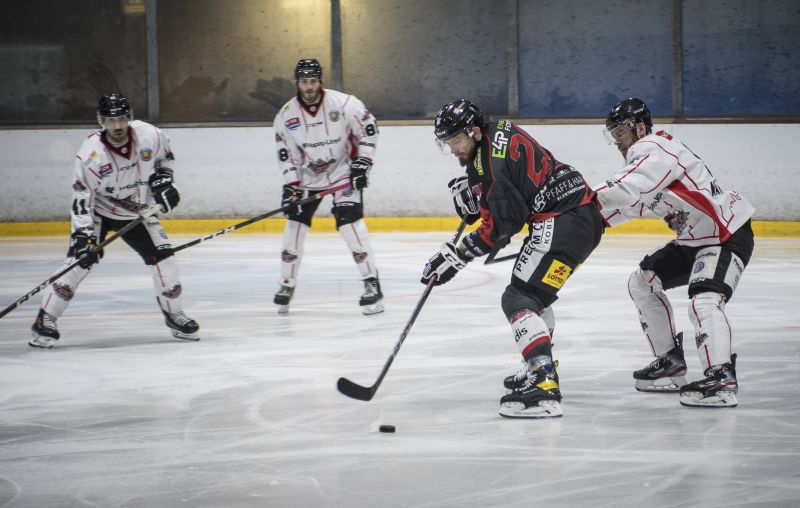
(544, 409)
(720, 399)
(283, 309)
(671, 385)
(186, 336)
(375, 308)
(42, 342)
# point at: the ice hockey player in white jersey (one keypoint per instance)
(325, 138)
(663, 178)
(120, 171)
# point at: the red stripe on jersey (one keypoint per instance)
(700, 202)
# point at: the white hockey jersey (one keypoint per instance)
(113, 182)
(663, 178)
(315, 147)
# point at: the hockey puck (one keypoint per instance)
(386, 428)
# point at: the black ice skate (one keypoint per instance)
(539, 396)
(665, 374)
(44, 331)
(282, 298)
(516, 381)
(718, 389)
(181, 325)
(371, 299)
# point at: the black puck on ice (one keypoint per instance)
(386, 428)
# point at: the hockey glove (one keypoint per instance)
(81, 246)
(291, 195)
(445, 264)
(358, 172)
(465, 201)
(163, 189)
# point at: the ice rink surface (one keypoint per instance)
(120, 414)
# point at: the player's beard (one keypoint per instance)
(311, 97)
(117, 137)
(464, 160)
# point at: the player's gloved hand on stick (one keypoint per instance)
(291, 195)
(82, 243)
(163, 189)
(465, 201)
(445, 264)
(358, 172)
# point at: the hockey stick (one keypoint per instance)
(127, 227)
(359, 392)
(257, 218)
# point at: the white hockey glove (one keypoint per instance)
(465, 201)
(445, 264)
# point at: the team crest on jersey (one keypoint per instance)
(293, 123)
(677, 221)
(557, 274)
(146, 154)
(334, 116)
(105, 170)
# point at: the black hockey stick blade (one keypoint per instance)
(355, 391)
(358, 392)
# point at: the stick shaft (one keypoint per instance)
(132, 224)
(257, 218)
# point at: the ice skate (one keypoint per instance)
(283, 297)
(44, 331)
(665, 374)
(718, 389)
(517, 380)
(371, 299)
(181, 325)
(538, 397)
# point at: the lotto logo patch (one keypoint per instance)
(557, 274)
(293, 123)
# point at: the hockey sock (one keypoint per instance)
(531, 335)
(294, 238)
(56, 296)
(166, 280)
(655, 310)
(357, 239)
(712, 330)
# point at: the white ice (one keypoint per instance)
(120, 414)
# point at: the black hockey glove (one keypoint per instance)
(163, 189)
(465, 201)
(291, 195)
(81, 246)
(358, 173)
(445, 264)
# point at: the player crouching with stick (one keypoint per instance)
(120, 172)
(511, 181)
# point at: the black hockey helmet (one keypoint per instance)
(457, 116)
(308, 68)
(629, 112)
(112, 105)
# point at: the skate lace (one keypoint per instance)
(285, 291)
(371, 287)
(48, 321)
(180, 318)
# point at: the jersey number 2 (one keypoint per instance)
(536, 176)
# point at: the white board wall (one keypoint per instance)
(232, 172)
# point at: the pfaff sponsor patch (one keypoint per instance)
(293, 123)
(557, 274)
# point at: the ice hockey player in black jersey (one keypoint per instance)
(512, 181)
